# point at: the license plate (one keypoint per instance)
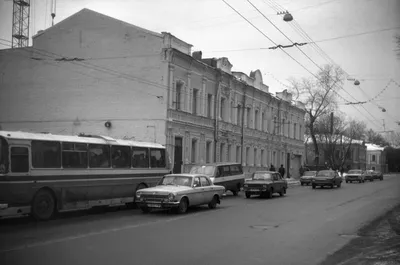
(254, 190)
(154, 205)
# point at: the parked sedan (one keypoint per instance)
(369, 175)
(328, 178)
(378, 175)
(265, 183)
(355, 175)
(180, 191)
(307, 177)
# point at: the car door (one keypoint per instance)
(196, 197)
(276, 182)
(207, 189)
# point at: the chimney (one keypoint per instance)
(197, 55)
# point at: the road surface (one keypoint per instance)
(304, 227)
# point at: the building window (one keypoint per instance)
(229, 153)
(194, 150)
(263, 122)
(283, 127)
(255, 157)
(178, 95)
(194, 101)
(222, 152)
(256, 119)
(209, 105)
(263, 162)
(295, 131)
(373, 158)
(223, 109)
(248, 117)
(239, 115)
(247, 155)
(274, 131)
(208, 152)
(238, 154)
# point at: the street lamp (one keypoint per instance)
(287, 17)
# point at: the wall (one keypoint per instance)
(119, 75)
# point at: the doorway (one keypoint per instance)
(178, 155)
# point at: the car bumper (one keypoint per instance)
(353, 178)
(305, 180)
(323, 182)
(255, 191)
(157, 205)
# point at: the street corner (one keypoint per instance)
(378, 242)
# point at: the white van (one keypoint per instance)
(229, 175)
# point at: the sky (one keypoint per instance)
(357, 35)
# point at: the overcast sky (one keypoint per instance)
(337, 27)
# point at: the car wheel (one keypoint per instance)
(268, 193)
(381, 178)
(183, 206)
(213, 202)
(347, 181)
(234, 192)
(360, 181)
(43, 205)
(332, 186)
(302, 183)
(144, 209)
(351, 181)
(339, 184)
(282, 192)
(247, 194)
(313, 186)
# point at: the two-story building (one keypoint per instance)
(376, 158)
(94, 74)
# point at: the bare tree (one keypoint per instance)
(338, 143)
(375, 138)
(319, 96)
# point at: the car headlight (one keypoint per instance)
(245, 185)
(138, 195)
(171, 197)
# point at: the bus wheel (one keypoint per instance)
(43, 205)
(132, 205)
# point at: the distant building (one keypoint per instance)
(377, 158)
(94, 74)
(355, 158)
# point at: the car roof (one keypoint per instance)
(265, 171)
(186, 175)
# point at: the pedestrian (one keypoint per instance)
(272, 168)
(282, 171)
(301, 171)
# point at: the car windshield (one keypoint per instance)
(176, 181)
(309, 173)
(262, 176)
(206, 170)
(325, 174)
(354, 172)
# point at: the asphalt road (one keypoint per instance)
(303, 227)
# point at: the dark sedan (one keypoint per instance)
(369, 175)
(328, 178)
(378, 175)
(307, 178)
(265, 183)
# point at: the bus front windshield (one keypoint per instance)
(3, 156)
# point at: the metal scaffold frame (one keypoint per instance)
(20, 25)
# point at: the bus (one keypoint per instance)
(42, 173)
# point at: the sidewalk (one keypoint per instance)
(376, 243)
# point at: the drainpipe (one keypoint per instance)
(218, 89)
(243, 110)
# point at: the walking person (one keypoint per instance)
(272, 168)
(282, 171)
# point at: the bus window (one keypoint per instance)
(3, 156)
(46, 154)
(120, 156)
(99, 156)
(19, 159)
(74, 155)
(157, 157)
(140, 157)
